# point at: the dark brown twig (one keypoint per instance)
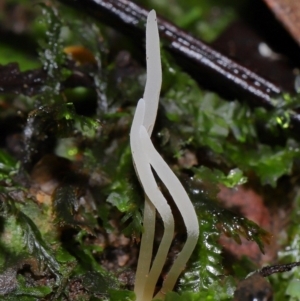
(31, 82)
(205, 64)
(279, 268)
(12, 80)
(198, 58)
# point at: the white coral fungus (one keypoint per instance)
(146, 158)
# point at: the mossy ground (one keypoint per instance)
(70, 202)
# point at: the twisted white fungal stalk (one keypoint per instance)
(145, 156)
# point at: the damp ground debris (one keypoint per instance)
(70, 203)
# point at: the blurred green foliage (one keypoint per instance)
(206, 19)
(8, 169)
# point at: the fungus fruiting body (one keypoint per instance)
(146, 158)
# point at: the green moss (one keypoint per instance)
(203, 119)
